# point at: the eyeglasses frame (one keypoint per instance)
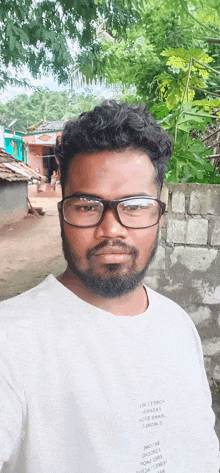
(108, 205)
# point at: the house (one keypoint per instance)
(12, 142)
(40, 143)
(14, 178)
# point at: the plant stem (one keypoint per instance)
(184, 94)
(212, 40)
(213, 156)
(205, 65)
(212, 134)
(201, 114)
(195, 19)
(215, 144)
(203, 90)
(187, 83)
(175, 137)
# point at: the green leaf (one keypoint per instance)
(180, 57)
(160, 110)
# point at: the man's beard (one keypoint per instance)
(114, 284)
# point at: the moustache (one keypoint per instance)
(116, 243)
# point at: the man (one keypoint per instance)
(99, 373)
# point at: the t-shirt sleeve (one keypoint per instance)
(12, 402)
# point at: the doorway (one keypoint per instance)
(49, 162)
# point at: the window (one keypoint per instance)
(23, 152)
(14, 145)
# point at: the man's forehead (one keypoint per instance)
(111, 171)
(119, 157)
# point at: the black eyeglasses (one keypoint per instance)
(134, 212)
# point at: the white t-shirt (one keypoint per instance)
(86, 391)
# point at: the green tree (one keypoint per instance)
(154, 57)
(134, 57)
(37, 34)
(205, 13)
(44, 105)
(186, 122)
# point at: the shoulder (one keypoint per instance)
(173, 320)
(167, 309)
(161, 300)
(27, 305)
(28, 319)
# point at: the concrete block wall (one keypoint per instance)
(186, 267)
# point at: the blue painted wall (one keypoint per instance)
(15, 146)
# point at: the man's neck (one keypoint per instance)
(131, 304)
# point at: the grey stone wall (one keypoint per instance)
(13, 201)
(186, 267)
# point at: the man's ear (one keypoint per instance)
(161, 222)
(164, 197)
(58, 168)
(58, 173)
(60, 217)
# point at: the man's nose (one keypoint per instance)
(110, 227)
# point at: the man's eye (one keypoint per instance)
(133, 208)
(86, 208)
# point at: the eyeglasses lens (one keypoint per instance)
(133, 213)
(82, 211)
(139, 213)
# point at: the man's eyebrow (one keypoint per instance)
(85, 194)
(139, 194)
(95, 196)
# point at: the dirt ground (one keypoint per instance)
(31, 249)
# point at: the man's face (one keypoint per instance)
(90, 252)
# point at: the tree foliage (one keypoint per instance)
(137, 56)
(172, 83)
(44, 105)
(206, 13)
(189, 162)
(154, 56)
(39, 34)
(144, 45)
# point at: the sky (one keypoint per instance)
(51, 83)
(46, 81)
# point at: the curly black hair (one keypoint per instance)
(114, 126)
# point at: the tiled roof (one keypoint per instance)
(50, 126)
(13, 170)
(9, 175)
(5, 157)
